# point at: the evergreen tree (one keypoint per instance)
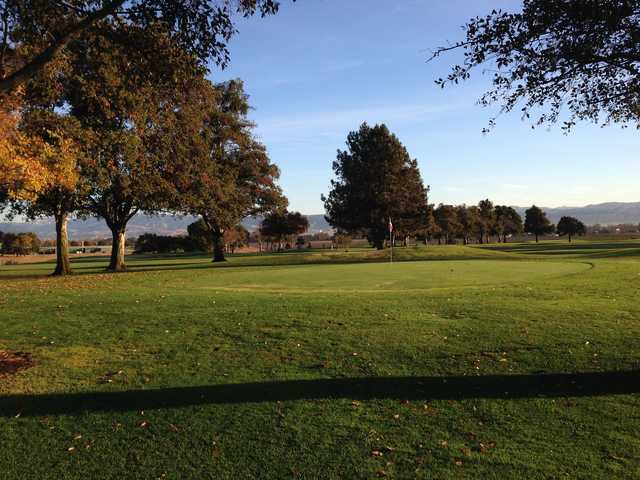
(376, 180)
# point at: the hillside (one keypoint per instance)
(602, 213)
(159, 224)
(611, 213)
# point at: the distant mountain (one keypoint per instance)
(603, 213)
(611, 213)
(159, 224)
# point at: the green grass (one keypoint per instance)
(502, 361)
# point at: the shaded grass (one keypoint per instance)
(483, 364)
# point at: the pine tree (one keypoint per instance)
(376, 180)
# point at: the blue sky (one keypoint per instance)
(320, 68)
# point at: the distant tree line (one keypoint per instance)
(378, 193)
(19, 243)
(198, 239)
(278, 230)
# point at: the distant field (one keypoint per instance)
(500, 361)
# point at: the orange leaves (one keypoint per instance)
(28, 164)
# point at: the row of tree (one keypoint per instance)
(277, 228)
(19, 243)
(106, 131)
(378, 187)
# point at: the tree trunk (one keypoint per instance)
(536, 238)
(569, 238)
(504, 238)
(217, 237)
(63, 266)
(116, 263)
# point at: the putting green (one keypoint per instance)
(404, 276)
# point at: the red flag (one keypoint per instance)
(390, 225)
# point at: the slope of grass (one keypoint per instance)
(509, 361)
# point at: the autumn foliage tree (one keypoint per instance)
(376, 180)
(225, 173)
(33, 33)
(61, 137)
(119, 98)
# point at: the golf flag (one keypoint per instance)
(390, 225)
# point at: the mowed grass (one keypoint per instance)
(503, 361)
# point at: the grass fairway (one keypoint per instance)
(515, 361)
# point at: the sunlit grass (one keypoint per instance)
(206, 365)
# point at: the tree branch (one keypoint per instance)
(44, 57)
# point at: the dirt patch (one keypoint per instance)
(12, 362)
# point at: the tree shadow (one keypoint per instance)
(201, 263)
(504, 387)
(564, 247)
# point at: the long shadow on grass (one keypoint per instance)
(562, 247)
(133, 266)
(366, 388)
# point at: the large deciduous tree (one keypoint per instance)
(121, 98)
(35, 32)
(536, 222)
(376, 180)
(226, 174)
(570, 227)
(555, 56)
(61, 137)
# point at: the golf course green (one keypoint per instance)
(498, 361)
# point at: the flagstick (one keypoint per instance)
(391, 240)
